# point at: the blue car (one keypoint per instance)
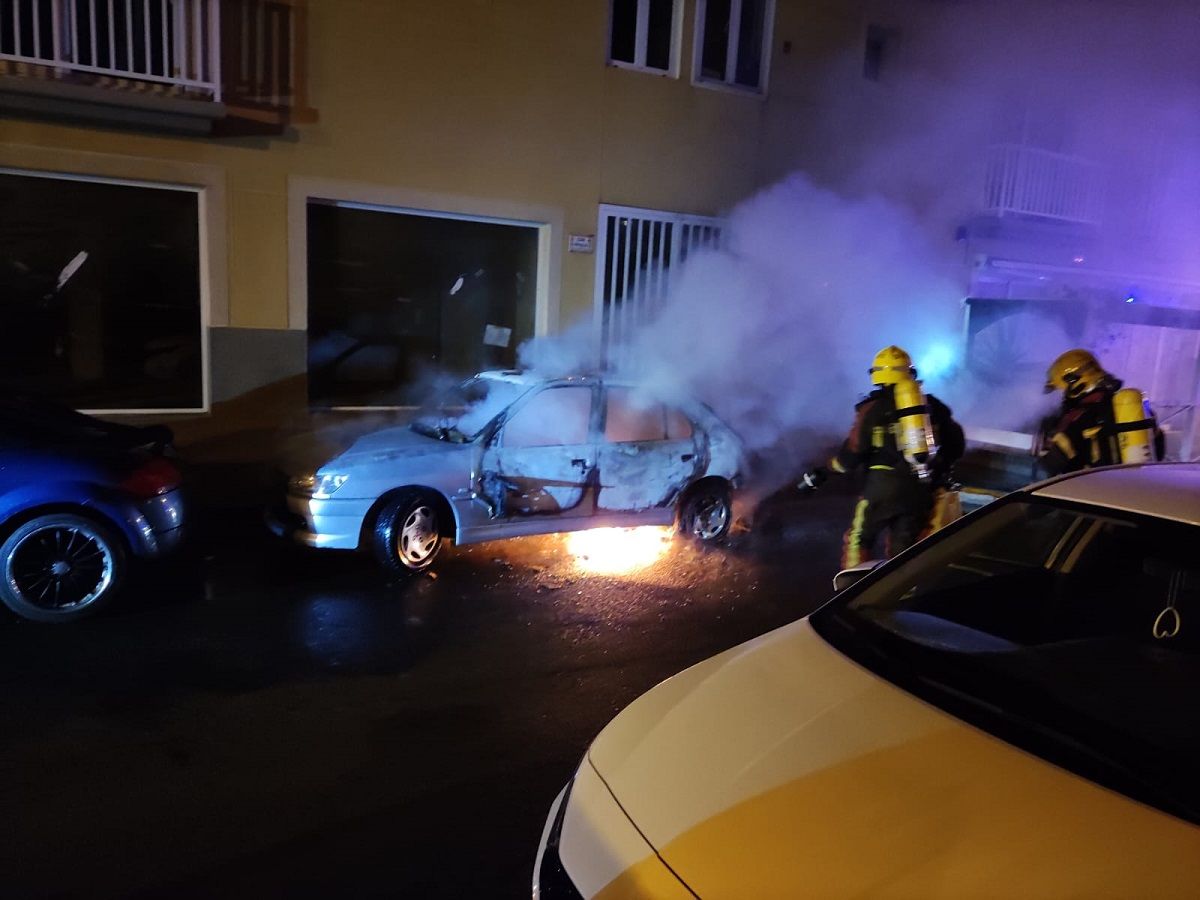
(80, 499)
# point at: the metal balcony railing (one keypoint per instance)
(170, 43)
(1029, 181)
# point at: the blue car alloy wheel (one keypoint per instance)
(59, 566)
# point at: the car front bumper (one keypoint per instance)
(550, 879)
(590, 847)
(330, 524)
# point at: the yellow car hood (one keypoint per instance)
(782, 769)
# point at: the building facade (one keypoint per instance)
(206, 197)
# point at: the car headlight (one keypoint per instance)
(302, 484)
(327, 486)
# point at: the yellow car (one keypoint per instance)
(1009, 709)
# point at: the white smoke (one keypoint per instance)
(776, 330)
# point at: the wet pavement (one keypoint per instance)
(258, 720)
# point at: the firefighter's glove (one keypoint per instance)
(1041, 438)
(810, 481)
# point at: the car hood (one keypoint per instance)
(781, 768)
(397, 442)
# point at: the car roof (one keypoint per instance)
(1166, 490)
(512, 376)
(530, 378)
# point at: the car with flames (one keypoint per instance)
(80, 500)
(1006, 709)
(507, 454)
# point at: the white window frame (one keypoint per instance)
(204, 296)
(641, 38)
(732, 49)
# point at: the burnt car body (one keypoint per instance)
(508, 454)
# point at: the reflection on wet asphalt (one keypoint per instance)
(258, 720)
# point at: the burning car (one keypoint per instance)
(509, 454)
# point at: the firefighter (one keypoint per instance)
(907, 442)
(1101, 423)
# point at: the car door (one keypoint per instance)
(646, 453)
(542, 460)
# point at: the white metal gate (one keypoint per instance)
(637, 251)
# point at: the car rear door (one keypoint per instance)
(543, 458)
(646, 453)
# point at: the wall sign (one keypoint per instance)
(582, 243)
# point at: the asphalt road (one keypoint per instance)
(254, 720)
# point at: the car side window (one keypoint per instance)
(998, 577)
(632, 419)
(554, 417)
(679, 426)
(1036, 574)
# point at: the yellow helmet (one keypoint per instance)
(1074, 373)
(892, 364)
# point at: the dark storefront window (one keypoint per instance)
(100, 294)
(397, 299)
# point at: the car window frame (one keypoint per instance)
(691, 423)
(495, 440)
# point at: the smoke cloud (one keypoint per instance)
(776, 329)
(882, 228)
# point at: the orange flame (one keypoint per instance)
(618, 551)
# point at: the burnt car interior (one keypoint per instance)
(558, 452)
(541, 460)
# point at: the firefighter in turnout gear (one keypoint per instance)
(1100, 423)
(906, 442)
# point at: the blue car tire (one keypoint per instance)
(60, 566)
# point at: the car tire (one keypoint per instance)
(706, 512)
(60, 567)
(407, 534)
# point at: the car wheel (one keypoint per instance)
(408, 533)
(706, 512)
(59, 567)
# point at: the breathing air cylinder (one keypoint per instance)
(1134, 426)
(914, 431)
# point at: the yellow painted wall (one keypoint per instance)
(501, 100)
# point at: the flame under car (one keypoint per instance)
(509, 454)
